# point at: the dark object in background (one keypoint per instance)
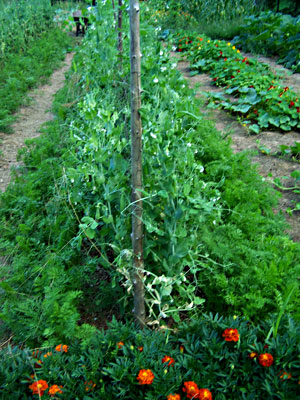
(78, 19)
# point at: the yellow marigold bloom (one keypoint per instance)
(238, 51)
(233, 47)
(228, 44)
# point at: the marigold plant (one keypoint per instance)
(39, 387)
(174, 396)
(145, 377)
(204, 394)
(231, 335)
(191, 389)
(54, 389)
(168, 359)
(62, 348)
(266, 359)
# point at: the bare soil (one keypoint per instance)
(269, 167)
(29, 120)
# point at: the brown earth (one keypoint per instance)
(269, 167)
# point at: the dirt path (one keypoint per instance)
(269, 167)
(29, 121)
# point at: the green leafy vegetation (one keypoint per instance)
(212, 244)
(228, 357)
(212, 240)
(21, 23)
(23, 71)
(252, 90)
(272, 34)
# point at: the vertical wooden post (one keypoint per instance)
(136, 164)
(120, 39)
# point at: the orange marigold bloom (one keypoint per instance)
(285, 375)
(48, 354)
(191, 389)
(253, 355)
(140, 348)
(55, 389)
(89, 385)
(266, 359)
(38, 387)
(168, 358)
(174, 397)
(120, 344)
(231, 335)
(145, 377)
(204, 394)
(62, 348)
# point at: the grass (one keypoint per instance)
(22, 72)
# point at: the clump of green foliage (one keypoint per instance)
(107, 364)
(23, 71)
(21, 23)
(272, 34)
(261, 99)
(218, 20)
(211, 237)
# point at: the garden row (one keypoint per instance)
(260, 99)
(66, 223)
(210, 231)
(32, 47)
(21, 23)
(272, 35)
(213, 358)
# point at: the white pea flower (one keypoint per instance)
(155, 80)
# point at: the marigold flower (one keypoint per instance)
(191, 389)
(253, 355)
(168, 359)
(62, 348)
(174, 397)
(120, 345)
(233, 47)
(145, 377)
(181, 349)
(89, 385)
(204, 394)
(140, 348)
(238, 51)
(48, 354)
(39, 387)
(55, 389)
(231, 335)
(285, 375)
(266, 359)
